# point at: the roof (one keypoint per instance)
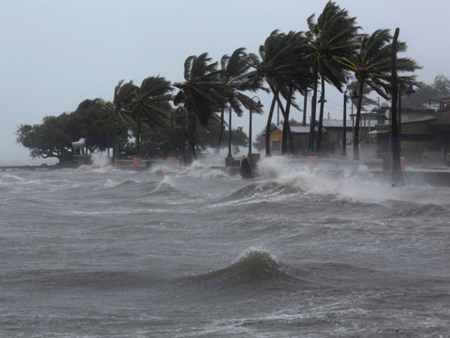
(432, 106)
(426, 118)
(301, 129)
(336, 123)
(326, 124)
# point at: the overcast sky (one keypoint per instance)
(57, 53)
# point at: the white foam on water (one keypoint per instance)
(100, 159)
(356, 184)
(166, 182)
(7, 178)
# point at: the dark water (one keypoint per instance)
(193, 252)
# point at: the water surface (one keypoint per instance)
(194, 252)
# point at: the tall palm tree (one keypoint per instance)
(123, 96)
(234, 76)
(371, 66)
(201, 93)
(150, 103)
(299, 80)
(281, 64)
(333, 35)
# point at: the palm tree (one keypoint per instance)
(281, 64)
(149, 103)
(201, 93)
(123, 96)
(333, 35)
(371, 66)
(234, 77)
(300, 80)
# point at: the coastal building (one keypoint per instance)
(425, 135)
(332, 135)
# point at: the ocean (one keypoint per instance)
(195, 252)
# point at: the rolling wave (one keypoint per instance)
(429, 209)
(7, 178)
(255, 269)
(265, 188)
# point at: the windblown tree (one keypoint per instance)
(51, 139)
(234, 76)
(201, 94)
(371, 66)
(281, 64)
(54, 136)
(332, 36)
(93, 123)
(299, 79)
(149, 103)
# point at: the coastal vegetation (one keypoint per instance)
(158, 118)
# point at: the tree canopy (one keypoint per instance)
(150, 119)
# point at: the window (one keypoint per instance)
(276, 145)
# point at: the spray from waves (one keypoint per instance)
(355, 184)
(109, 183)
(100, 160)
(165, 184)
(198, 169)
(202, 171)
(101, 164)
(165, 189)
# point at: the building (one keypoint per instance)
(332, 136)
(425, 135)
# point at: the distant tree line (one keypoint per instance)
(428, 94)
(158, 118)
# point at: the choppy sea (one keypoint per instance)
(195, 252)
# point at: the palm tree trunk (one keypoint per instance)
(305, 106)
(313, 107)
(192, 136)
(287, 131)
(219, 141)
(397, 177)
(268, 125)
(291, 140)
(138, 134)
(357, 122)
(287, 128)
(284, 137)
(319, 132)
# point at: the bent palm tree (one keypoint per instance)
(149, 102)
(234, 76)
(281, 64)
(201, 93)
(371, 66)
(333, 35)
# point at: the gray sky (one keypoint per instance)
(57, 53)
